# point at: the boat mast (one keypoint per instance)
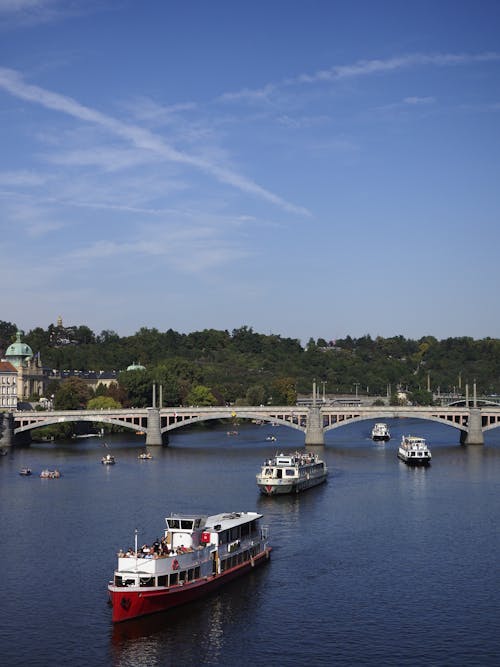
(136, 549)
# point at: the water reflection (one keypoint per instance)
(194, 634)
(336, 549)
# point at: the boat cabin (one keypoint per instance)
(192, 547)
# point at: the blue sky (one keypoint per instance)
(307, 168)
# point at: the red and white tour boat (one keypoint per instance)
(195, 556)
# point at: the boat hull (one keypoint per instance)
(274, 488)
(413, 460)
(130, 603)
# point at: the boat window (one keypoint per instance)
(268, 472)
(174, 578)
(289, 472)
(173, 523)
(187, 525)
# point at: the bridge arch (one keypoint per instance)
(225, 415)
(390, 415)
(481, 403)
(490, 427)
(77, 418)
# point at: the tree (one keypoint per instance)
(83, 335)
(7, 334)
(72, 394)
(256, 395)
(200, 395)
(420, 397)
(168, 382)
(284, 392)
(107, 336)
(103, 403)
(138, 386)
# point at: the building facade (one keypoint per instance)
(30, 375)
(8, 386)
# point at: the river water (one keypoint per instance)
(383, 565)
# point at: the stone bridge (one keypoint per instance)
(313, 421)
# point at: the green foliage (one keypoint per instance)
(72, 394)
(283, 392)
(103, 403)
(200, 395)
(243, 365)
(7, 334)
(137, 386)
(256, 395)
(420, 397)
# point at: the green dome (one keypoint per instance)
(136, 367)
(18, 349)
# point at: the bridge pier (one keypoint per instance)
(474, 435)
(153, 433)
(6, 429)
(314, 427)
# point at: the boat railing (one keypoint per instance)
(239, 545)
(162, 564)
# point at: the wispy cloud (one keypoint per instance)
(31, 217)
(192, 250)
(108, 159)
(33, 12)
(360, 68)
(418, 100)
(12, 82)
(145, 109)
(21, 178)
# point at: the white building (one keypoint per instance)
(8, 386)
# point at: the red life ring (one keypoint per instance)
(175, 564)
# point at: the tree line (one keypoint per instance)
(243, 366)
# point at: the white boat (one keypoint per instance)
(413, 450)
(145, 456)
(195, 556)
(380, 431)
(50, 474)
(108, 460)
(291, 473)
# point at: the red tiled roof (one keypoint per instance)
(7, 367)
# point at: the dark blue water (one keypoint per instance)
(383, 565)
